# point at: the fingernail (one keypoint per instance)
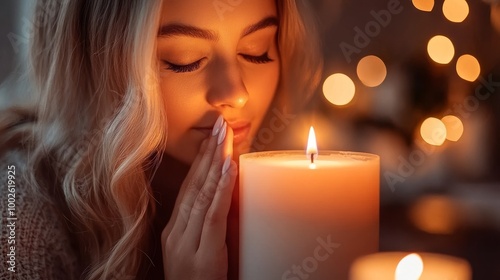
(222, 134)
(227, 163)
(217, 125)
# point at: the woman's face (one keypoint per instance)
(217, 58)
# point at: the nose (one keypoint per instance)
(227, 87)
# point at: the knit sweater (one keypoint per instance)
(43, 246)
(34, 242)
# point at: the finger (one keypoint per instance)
(193, 185)
(213, 236)
(208, 191)
(182, 190)
(197, 160)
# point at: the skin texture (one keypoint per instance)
(194, 240)
(213, 64)
(225, 75)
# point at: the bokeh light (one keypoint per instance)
(441, 49)
(468, 67)
(454, 127)
(435, 214)
(409, 268)
(433, 131)
(424, 5)
(371, 71)
(455, 10)
(495, 17)
(339, 89)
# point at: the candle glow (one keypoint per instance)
(404, 266)
(410, 268)
(312, 147)
(289, 209)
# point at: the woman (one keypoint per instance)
(104, 173)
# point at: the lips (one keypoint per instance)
(241, 129)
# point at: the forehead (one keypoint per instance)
(214, 14)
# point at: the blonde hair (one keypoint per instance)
(300, 53)
(100, 116)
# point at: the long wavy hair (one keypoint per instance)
(99, 121)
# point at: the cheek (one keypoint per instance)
(269, 84)
(262, 94)
(265, 85)
(182, 114)
(178, 103)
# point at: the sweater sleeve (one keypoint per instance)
(35, 243)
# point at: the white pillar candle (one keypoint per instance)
(300, 221)
(431, 267)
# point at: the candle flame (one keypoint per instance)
(312, 147)
(410, 268)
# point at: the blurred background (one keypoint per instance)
(416, 82)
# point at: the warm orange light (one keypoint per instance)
(312, 147)
(441, 49)
(454, 127)
(423, 5)
(433, 131)
(436, 214)
(339, 89)
(468, 67)
(371, 71)
(455, 10)
(495, 16)
(410, 268)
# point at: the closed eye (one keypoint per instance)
(261, 59)
(176, 68)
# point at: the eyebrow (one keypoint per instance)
(264, 23)
(177, 29)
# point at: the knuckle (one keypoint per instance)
(203, 199)
(194, 185)
(170, 242)
(166, 232)
(213, 218)
(184, 210)
(212, 179)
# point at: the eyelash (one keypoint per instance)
(183, 68)
(261, 59)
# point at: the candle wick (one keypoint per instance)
(312, 157)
